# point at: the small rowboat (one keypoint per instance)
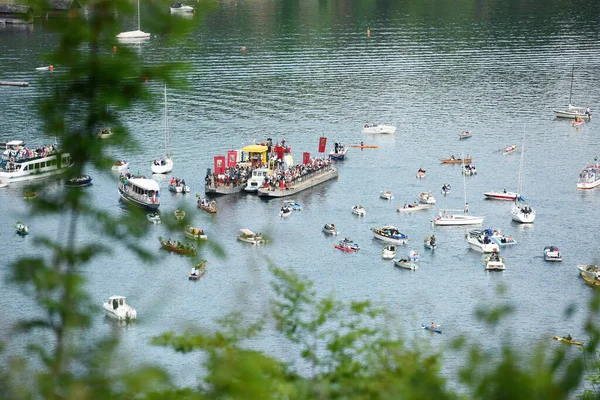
(330, 229)
(465, 134)
(153, 217)
(565, 340)
(406, 264)
(179, 214)
(577, 123)
(105, 133)
(421, 173)
(429, 243)
(456, 160)
(436, 328)
(285, 211)
(364, 146)
(198, 271)
(204, 204)
(22, 229)
(510, 149)
(386, 195)
(389, 252)
(347, 245)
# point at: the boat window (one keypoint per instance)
(120, 302)
(42, 164)
(26, 168)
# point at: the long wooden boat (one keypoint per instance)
(456, 160)
(178, 247)
(565, 340)
(198, 271)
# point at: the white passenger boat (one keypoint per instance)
(117, 308)
(359, 210)
(551, 253)
(25, 164)
(178, 7)
(426, 198)
(589, 178)
(376, 128)
(504, 195)
(389, 234)
(247, 236)
(386, 194)
(479, 241)
(257, 180)
(139, 191)
(494, 262)
(389, 252)
(412, 207)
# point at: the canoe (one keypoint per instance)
(457, 161)
(437, 328)
(565, 340)
(364, 146)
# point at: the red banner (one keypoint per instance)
(231, 158)
(306, 158)
(280, 151)
(322, 144)
(219, 164)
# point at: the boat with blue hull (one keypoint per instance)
(436, 328)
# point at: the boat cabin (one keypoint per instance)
(116, 302)
(15, 14)
(247, 233)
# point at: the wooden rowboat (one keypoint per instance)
(456, 160)
(177, 247)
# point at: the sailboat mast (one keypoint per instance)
(139, 25)
(572, 78)
(166, 122)
(464, 181)
(520, 185)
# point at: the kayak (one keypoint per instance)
(565, 340)
(363, 146)
(437, 328)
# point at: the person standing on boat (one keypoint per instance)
(466, 208)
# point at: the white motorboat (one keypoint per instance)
(426, 198)
(293, 205)
(330, 229)
(117, 308)
(134, 35)
(499, 238)
(412, 207)
(389, 252)
(377, 128)
(421, 173)
(456, 217)
(389, 234)
(257, 180)
(406, 264)
(195, 233)
(179, 7)
(504, 195)
(521, 211)
(387, 195)
(105, 133)
(120, 166)
(19, 163)
(139, 191)
(164, 164)
(429, 242)
(494, 262)
(359, 210)
(465, 134)
(589, 178)
(339, 151)
(79, 181)
(247, 236)
(153, 217)
(446, 188)
(177, 185)
(479, 241)
(285, 211)
(590, 273)
(551, 253)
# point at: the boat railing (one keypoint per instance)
(143, 198)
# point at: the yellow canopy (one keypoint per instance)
(255, 148)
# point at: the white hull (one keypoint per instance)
(163, 169)
(500, 195)
(406, 265)
(588, 185)
(476, 245)
(361, 212)
(388, 255)
(495, 266)
(133, 35)
(179, 189)
(385, 129)
(519, 216)
(413, 208)
(27, 174)
(128, 195)
(182, 9)
(389, 239)
(572, 113)
(457, 219)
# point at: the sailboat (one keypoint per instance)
(521, 211)
(458, 217)
(134, 34)
(572, 111)
(164, 164)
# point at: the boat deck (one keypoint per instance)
(297, 187)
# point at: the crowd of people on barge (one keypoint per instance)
(285, 178)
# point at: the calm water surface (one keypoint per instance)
(311, 71)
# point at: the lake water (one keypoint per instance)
(310, 70)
